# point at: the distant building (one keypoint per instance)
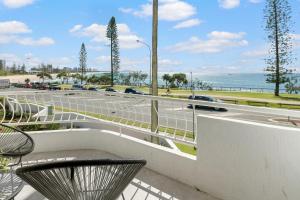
(2, 65)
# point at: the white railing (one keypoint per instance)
(176, 117)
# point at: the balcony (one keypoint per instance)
(238, 156)
(147, 185)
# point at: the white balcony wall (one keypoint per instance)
(166, 161)
(248, 161)
(236, 160)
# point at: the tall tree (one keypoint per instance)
(278, 28)
(44, 73)
(180, 79)
(112, 35)
(167, 79)
(82, 61)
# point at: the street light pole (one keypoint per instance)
(192, 86)
(193, 97)
(27, 62)
(150, 58)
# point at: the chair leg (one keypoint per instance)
(123, 196)
(11, 179)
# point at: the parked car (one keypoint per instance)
(43, 86)
(109, 89)
(54, 87)
(133, 91)
(77, 87)
(92, 89)
(27, 85)
(206, 99)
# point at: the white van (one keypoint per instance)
(4, 83)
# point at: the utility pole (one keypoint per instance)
(154, 103)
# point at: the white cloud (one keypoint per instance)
(13, 27)
(5, 39)
(296, 40)
(12, 31)
(133, 63)
(97, 33)
(61, 61)
(28, 59)
(188, 23)
(17, 3)
(255, 1)
(229, 4)
(126, 10)
(95, 47)
(295, 36)
(44, 41)
(169, 10)
(10, 58)
(129, 64)
(168, 63)
(26, 41)
(75, 28)
(256, 53)
(226, 35)
(217, 42)
(102, 59)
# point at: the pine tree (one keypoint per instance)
(82, 61)
(112, 35)
(278, 24)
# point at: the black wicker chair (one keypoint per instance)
(10, 185)
(81, 179)
(14, 144)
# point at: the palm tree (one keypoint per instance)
(62, 76)
(167, 78)
(27, 81)
(93, 79)
(43, 75)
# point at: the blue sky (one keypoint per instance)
(203, 36)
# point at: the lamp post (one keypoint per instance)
(150, 58)
(27, 62)
(193, 95)
(192, 86)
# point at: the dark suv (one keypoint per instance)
(133, 91)
(109, 89)
(207, 99)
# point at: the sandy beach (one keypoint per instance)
(21, 78)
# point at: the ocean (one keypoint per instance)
(236, 81)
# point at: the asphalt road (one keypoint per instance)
(171, 114)
(175, 115)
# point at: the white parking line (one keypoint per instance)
(227, 114)
(176, 109)
(142, 105)
(115, 102)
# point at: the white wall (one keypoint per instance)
(236, 160)
(164, 160)
(248, 161)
